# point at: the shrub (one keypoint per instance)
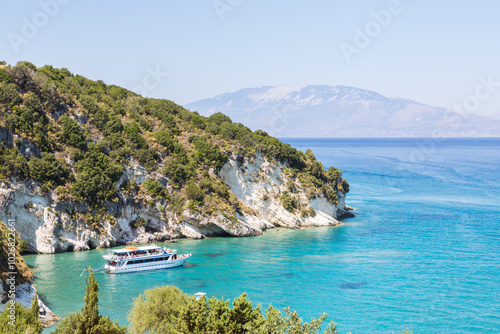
(130, 186)
(219, 118)
(72, 134)
(334, 174)
(208, 153)
(165, 139)
(26, 319)
(345, 186)
(206, 184)
(48, 168)
(146, 157)
(288, 202)
(154, 188)
(133, 133)
(5, 77)
(157, 310)
(198, 122)
(115, 141)
(44, 189)
(139, 221)
(193, 192)
(113, 126)
(12, 162)
(96, 177)
(167, 309)
(22, 245)
(312, 212)
(177, 169)
(9, 94)
(89, 104)
(178, 202)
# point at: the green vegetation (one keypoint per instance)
(12, 163)
(71, 133)
(26, 320)
(96, 177)
(155, 189)
(193, 192)
(88, 132)
(288, 202)
(138, 222)
(24, 273)
(167, 309)
(207, 153)
(88, 320)
(49, 169)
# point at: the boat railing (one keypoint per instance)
(127, 256)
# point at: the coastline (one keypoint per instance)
(25, 293)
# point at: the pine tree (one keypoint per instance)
(90, 313)
(88, 321)
(35, 310)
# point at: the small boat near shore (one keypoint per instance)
(131, 259)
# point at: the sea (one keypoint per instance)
(422, 253)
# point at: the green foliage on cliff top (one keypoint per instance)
(88, 132)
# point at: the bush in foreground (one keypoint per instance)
(167, 309)
(25, 320)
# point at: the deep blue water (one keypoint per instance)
(422, 253)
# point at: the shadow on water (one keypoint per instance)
(190, 265)
(353, 285)
(201, 286)
(213, 255)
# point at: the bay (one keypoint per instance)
(422, 253)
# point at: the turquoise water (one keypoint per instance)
(422, 253)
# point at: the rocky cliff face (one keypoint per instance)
(259, 184)
(51, 225)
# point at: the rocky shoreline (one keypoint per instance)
(50, 224)
(25, 294)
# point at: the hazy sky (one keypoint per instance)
(438, 52)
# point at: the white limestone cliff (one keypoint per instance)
(50, 225)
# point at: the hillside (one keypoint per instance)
(340, 111)
(84, 164)
(24, 274)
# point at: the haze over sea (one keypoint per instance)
(422, 253)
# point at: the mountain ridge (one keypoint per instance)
(341, 111)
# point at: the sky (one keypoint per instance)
(443, 53)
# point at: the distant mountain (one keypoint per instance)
(495, 116)
(340, 111)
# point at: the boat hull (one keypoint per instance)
(147, 266)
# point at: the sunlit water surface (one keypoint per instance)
(422, 253)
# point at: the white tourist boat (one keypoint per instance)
(131, 258)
